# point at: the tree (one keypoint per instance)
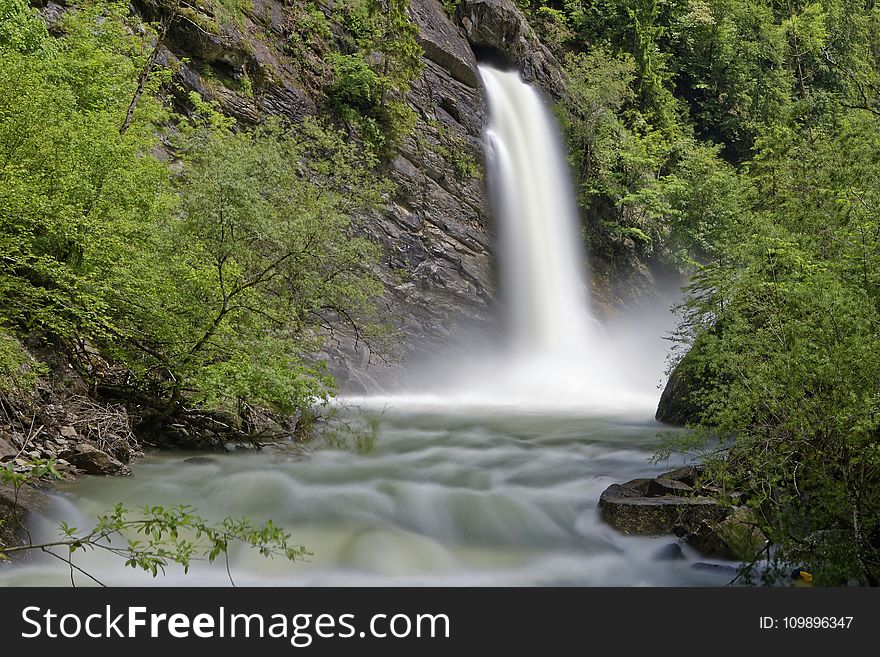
(262, 253)
(783, 330)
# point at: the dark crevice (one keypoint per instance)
(492, 56)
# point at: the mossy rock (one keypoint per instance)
(737, 537)
(627, 509)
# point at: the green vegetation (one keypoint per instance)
(202, 262)
(372, 74)
(739, 139)
(191, 267)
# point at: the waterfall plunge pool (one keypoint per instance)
(443, 498)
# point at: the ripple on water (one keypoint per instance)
(438, 501)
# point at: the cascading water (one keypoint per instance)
(550, 353)
(541, 260)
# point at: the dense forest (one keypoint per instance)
(741, 140)
(190, 266)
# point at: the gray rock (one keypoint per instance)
(675, 406)
(718, 569)
(687, 474)
(669, 552)
(15, 510)
(199, 460)
(681, 400)
(95, 462)
(737, 537)
(630, 512)
(443, 43)
(659, 486)
(638, 487)
(498, 25)
(7, 449)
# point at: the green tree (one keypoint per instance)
(783, 330)
(371, 81)
(262, 253)
(206, 274)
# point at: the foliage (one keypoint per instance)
(153, 539)
(784, 328)
(371, 81)
(22, 29)
(665, 194)
(72, 189)
(737, 139)
(451, 6)
(209, 278)
(261, 254)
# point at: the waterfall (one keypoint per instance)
(550, 353)
(541, 260)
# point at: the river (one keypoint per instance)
(478, 497)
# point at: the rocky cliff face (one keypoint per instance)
(498, 27)
(437, 237)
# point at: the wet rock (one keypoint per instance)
(675, 406)
(641, 486)
(687, 474)
(631, 512)
(15, 508)
(93, 461)
(499, 26)
(199, 460)
(718, 569)
(660, 486)
(669, 552)
(737, 537)
(681, 400)
(443, 43)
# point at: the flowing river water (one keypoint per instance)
(476, 497)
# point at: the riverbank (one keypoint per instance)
(57, 430)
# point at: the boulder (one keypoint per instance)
(660, 486)
(15, 509)
(737, 537)
(687, 474)
(681, 402)
(639, 485)
(675, 406)
(442, 42)
(199, 460)
(716, 568)
(91, 459)
(669, 552)
(7, 449)
(629, 511)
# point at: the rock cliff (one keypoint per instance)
(436, 231)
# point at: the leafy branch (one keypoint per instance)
(155, 538)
